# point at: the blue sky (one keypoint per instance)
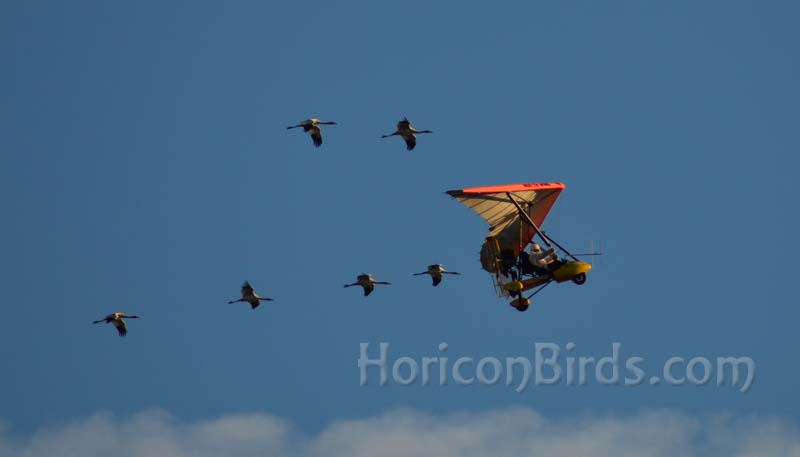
(146, 168)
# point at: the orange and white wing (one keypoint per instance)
(505, 224)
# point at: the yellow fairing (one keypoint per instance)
(513, 286)
(571, 269)
(534, 282)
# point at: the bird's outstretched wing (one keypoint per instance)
(411, 141)
(121, 328)
(247, 289)
(106, 319)
(316, 136)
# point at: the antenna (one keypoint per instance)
(592, 251)
(600, 244)
(595, 252)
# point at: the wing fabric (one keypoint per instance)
(506, 227)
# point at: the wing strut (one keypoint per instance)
(541, 234)
(528, 219)
(539, 289)
(565, 251)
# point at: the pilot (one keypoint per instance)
(541, 260)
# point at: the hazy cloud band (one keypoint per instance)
(502, 433)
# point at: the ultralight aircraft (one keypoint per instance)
(515, 213)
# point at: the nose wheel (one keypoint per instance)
(579, 279)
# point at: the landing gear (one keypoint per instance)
(579, 279)
(521, 304)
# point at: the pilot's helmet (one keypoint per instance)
(536, 248)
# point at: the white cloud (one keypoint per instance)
(505, 433)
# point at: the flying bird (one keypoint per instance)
(405, 130)
(116, 319)
(311, 126)
(250, 296)
(436, 271)
(367, 282)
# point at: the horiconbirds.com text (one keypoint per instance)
(550, 364)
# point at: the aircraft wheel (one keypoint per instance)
(579, 279)
(521, 307)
